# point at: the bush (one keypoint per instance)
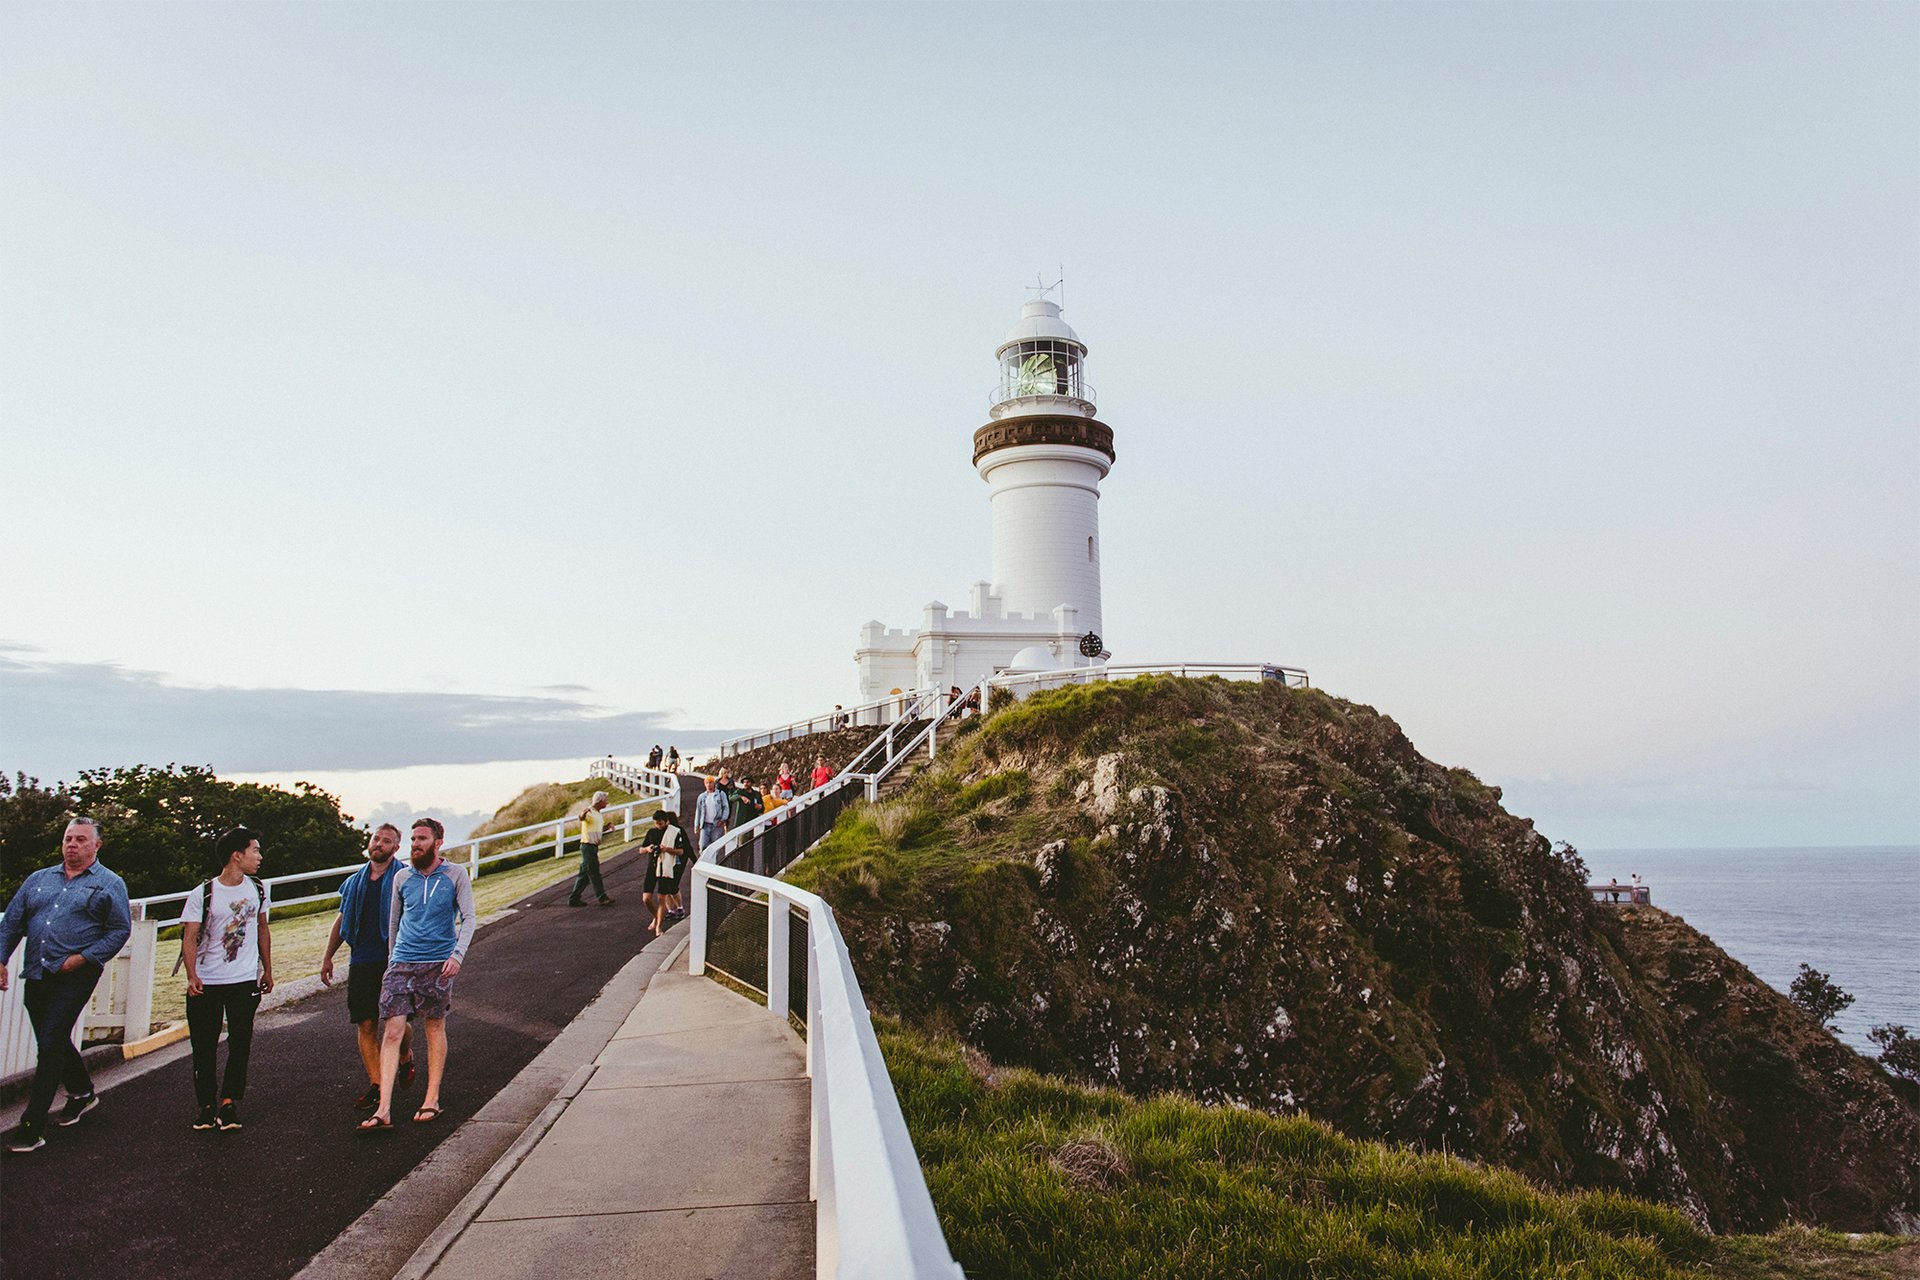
(1899, 1052)
(1815, 992)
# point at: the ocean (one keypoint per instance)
(1852, 913)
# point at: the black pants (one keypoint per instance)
(53, 1006)
(236, 1002)
(589, 871)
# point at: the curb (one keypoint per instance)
(435, 1246)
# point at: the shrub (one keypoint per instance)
(1815, 992)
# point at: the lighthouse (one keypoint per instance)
(1043, 455)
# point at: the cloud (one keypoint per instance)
(59, 717)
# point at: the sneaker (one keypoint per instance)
(368, 1101)
(77, 1107)
(229, 1116)
(404, 1080)
(205, 1119)
(28, 1137)
(606, 902)
(576, 904)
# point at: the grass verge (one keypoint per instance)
(1037, 1177)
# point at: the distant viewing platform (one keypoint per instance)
(1622, 895)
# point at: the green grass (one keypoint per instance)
(1036, 1177)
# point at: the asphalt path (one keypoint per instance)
(133, 1191)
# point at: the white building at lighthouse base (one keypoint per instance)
(960, 649)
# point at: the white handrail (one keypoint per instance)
(873, 1215)
(1292, 677)
(880, 711)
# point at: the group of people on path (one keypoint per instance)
(730, 802)
(406, 924)
(408, 928)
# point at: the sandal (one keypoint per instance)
(375, 1124)
(369, 1100)
(426, 1115)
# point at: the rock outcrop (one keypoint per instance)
(1267, 897)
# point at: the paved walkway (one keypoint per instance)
(110, 1196)
(681, 1152)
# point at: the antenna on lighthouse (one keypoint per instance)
(1040, 288)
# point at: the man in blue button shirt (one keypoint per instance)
(75, 919)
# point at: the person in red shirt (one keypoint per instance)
(821, 774)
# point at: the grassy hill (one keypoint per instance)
(1267, 898)
(1034, 1176)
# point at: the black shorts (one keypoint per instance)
(363, 992)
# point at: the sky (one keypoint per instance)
(426, 398)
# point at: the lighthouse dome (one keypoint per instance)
(1040, 319)
(1031, 659)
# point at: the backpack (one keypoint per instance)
(206, 911)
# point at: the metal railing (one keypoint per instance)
(1030, 682)
(880, 711)
(873, 1215)
(124, 997)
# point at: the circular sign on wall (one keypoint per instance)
(1090, 645)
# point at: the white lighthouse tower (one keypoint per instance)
(1043, 455)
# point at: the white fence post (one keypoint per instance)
(145, 941)
(560, 838)
(697, 922)
(777, 978)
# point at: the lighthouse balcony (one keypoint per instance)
(1004, 400)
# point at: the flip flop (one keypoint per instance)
(374, 1124)
(426, 1115)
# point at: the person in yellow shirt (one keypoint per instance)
(593, 826)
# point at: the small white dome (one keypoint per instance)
(1041, 319)
(1032, 658)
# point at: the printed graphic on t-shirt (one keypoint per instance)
(234, 935)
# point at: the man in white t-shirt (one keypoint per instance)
(229, 956)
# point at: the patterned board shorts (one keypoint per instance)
(416, 989)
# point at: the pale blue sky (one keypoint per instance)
(1543, 375)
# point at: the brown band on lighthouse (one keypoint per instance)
(1085, 432)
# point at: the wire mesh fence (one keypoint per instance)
(797, 1005)
(737, 935)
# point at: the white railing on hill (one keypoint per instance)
(1033, 681)
(873, 1215)
(880, 711)
(124, 997)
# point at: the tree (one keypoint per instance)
(1815, 992)
(159, 825)
(31, 820)
(1899, 1052)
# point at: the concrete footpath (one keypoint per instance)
(680, 1151)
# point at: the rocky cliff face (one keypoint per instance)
(1267, 897)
